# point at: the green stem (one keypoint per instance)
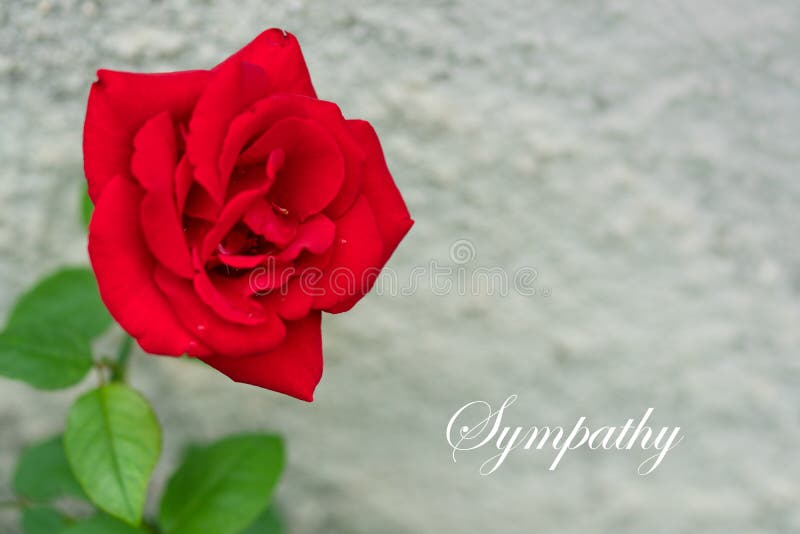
(20, 503)
(123, 354)
(150, 526)
(101, 373)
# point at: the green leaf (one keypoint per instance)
(113, 442)
(43, 472)
(43, 358)
(269, 522)
(86, 206)
(41, 520)
(101, 524)
(46, 341)
(65, 301)
(222, 488)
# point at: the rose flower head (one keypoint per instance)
(233, 207)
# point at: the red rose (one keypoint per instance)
(216, 192)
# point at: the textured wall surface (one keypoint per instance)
(642, 156)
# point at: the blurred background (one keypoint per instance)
(641, 156)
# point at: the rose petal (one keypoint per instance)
(227, 302)
(292, 302)
(314, 235)
(314, 265)
(155, 154)
(195, 230)
(249, 177)
(238, 261)
(124, 266)
(271, 275)
(268, 111)
(262, 219)
(153, 164)
(293, 368)
(231, 214)
(329, 115)
(200, 205)
(257, 119)
(357, 251)
(119, 104)
(221, 336)
(279, 54)
(313, 169)
(391, 213)
(238, 286)
(234, 86)
(184, 178)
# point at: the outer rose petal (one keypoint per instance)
(123, 266)
(391, 213)
(119, 104)
(357, 252)
(279, 54)
(293, 368)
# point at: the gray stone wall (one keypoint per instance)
(641, 156)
